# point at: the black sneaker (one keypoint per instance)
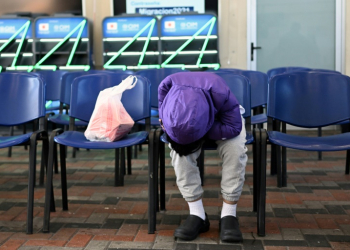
(229, 229)
(192, 226)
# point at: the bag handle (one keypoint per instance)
(127, 83)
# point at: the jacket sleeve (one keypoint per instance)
(163, 90)
(228, 122)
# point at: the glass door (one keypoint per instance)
(306, 33)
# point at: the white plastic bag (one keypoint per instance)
(110, 121)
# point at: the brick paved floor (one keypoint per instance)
(312, 212)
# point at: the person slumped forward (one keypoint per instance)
(194, 107)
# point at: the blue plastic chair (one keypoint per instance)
(85, 90)
(308, 100)
(22, 99)
(53, 87)
(241, 88)
(258, 81)
(281, 70)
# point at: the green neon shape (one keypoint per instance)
(156, 66)
(147, 42)
(36, 66)
(107, 64)
(0, 69)
(76, 43)
(21, 43)
(205, 43)
(21, 67)
(123, 67)
(213, 19)
(173, 66)
(48, 104)
(83, 67)
(210, 65)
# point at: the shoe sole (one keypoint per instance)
(192, 237)
(231, 239)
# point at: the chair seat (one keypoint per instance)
(9, 141)
(210, 144)
(327, 143)
(63, 119)
(77, 139)
(257, 119)
(154, 121)
(343, 122)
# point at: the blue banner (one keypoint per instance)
(128, 26)
(186, 25)
(9, 26)
(59, 27)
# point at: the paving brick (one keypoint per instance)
(79, 240)
(52, 243)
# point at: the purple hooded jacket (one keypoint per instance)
(197, 104)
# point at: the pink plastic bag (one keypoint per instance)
(110, 121)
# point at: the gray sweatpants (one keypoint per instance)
(234, 157)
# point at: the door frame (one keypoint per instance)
(339, 36)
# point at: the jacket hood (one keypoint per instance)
(186, 114)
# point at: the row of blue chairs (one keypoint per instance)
(81, 108)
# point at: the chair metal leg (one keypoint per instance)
(55, 160)
(319, 134)
(129, 152)
(74, 153)
(63, 177)
(24, 132)
(156, 153)
(9, 152)
(256, 151)
(262, 184)
(44, 159)
(135, 152)
(152, 189)
(116, 168)
(279, 166)
(347, 164)
(30, 203)
(161, 171)
(122, 166)
(49, 197)
(284, 159)
(284, 167)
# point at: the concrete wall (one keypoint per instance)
(347, 38)
(232, 20)
(96, 11)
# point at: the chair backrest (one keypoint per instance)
(281, 70)
(67, 80)
(156, 76)
(240, 87)
(309, 99)
(258, 83)
(85, 90)
(22, 98)
(53, 83)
